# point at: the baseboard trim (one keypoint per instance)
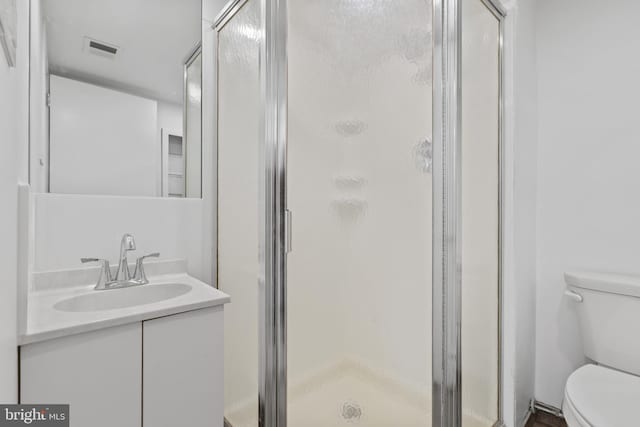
(524, 420)
(537, 406)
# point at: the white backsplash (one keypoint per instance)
(68, 227)
(49, 280)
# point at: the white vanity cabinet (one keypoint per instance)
(183, 370)
(99, 374)
(166, 371)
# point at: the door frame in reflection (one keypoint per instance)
(195, 53)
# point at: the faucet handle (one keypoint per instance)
(151, 255)
(105, 272)
(127, 243)
(139, 274)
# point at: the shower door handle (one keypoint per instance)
(287, 230)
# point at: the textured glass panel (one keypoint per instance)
(480, 190)
(359, 187)
(239, 114)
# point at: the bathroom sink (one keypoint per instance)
(122, 298)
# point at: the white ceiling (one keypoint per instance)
(154, 38)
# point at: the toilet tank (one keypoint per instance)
(608, 307)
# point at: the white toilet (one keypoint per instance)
(605, 393)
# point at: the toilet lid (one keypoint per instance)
(603, 396)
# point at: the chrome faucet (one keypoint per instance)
(139, 274)
(127, 243)
(123, 276)
(105, 272)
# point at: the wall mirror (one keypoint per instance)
(115, 104)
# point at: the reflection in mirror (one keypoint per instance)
(193, 122)
(115, 97)
(8, 30)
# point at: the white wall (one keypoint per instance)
(211, 9)
(68, 227)
(588, 91)
(13, 169)
(520, 228)
(169, 116)
(8, 220)
(102, 141)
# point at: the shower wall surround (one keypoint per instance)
(360, 273)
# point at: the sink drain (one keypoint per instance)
(351, 412)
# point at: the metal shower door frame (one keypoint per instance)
(446, 227)
(447, 210)
(273, 297)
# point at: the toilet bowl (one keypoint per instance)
(605, 393)
(597, 396)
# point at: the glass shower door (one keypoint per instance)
(480, 212)
(359, 189)
(239, 43)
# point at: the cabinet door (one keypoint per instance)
(183, 370)
(99, 374)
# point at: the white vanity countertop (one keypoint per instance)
(46, 322)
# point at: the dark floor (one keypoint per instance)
(540, 419)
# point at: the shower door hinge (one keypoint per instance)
(287, 230)
(48, 99)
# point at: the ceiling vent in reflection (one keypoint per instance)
(99, 48)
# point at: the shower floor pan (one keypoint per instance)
(349, 394)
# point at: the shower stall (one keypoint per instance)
(359, 152)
